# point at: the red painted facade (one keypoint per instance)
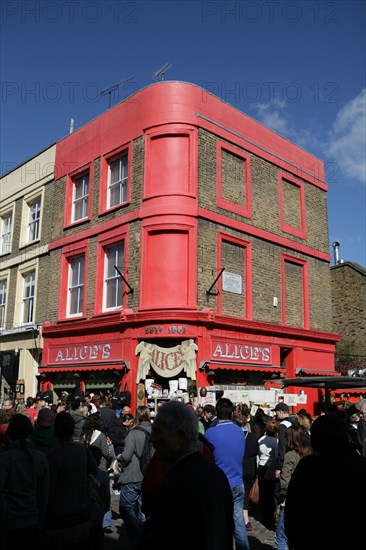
(169, 116)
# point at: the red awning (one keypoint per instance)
(244, 368)
(316, 372)
(80, 369)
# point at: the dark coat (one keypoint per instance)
(250, 456)
(118, 434)
(332, 486)
(79, 421)
(204, 523)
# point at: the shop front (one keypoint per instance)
(179, 356)
(82, 364)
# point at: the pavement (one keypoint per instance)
(260, 538)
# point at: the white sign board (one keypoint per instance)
(293, 399)
(231, 282)
(251, 396)
(209, 399)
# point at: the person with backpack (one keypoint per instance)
(137, 449)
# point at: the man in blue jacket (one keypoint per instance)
(229, 447)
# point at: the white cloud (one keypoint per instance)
(344, 144)
(271, 115)
(347, 142)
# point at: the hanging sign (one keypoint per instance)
(167, 362)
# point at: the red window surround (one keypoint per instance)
(70, 179)
(162, 177)
(111, 238)
(104, 174)
(227, 205)
(69, 252)
(224, 237)
(297, 232)
(305, 287)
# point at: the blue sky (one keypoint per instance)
(298, 67)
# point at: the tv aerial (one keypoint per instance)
(114, 87)
(160, 74)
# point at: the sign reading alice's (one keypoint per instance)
(88, 352)
(234, 351)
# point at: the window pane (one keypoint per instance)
(81, 197)
(76, 285)
(2, 302)
(114, 167)
(33, 222)
(28, 297)
(6, 233)
(117, 192)
(114, 256)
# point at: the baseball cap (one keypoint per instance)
(281, 407)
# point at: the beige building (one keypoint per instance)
(23, 246)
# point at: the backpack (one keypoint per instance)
(147, 451)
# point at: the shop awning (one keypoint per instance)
(316, 372)
(245, 368)
(80, 368)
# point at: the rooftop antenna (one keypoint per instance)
(114, 87)
(160, 74)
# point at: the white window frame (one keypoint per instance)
(34, 218)
(23, 270)
(79, 286)
(4, 283)
(6, 232)
(28, 300)
(121, 182)
(109, 279)
(27, 235)
(84, 180)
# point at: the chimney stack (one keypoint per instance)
(336, 246)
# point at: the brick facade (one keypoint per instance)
(349, 305)
(234, 196)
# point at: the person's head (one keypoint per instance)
(96, 401)
(199, 412)
(361, 406)
(329, 433)
(142, 415)
(241, 415)
(175, 431)
(61, 407)
(296, 441)
(29, 402)
(125, 410)
(93, 422)
(20, 427)
(272, 428)
(63, 427)
(209, 411)
(224, 409)
(8, 404)
(282, 411)
(75, 403)
(304, 421)
(127, 420)
(45, 418)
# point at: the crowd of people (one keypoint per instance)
(60, 463)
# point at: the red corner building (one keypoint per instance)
(218, 229)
